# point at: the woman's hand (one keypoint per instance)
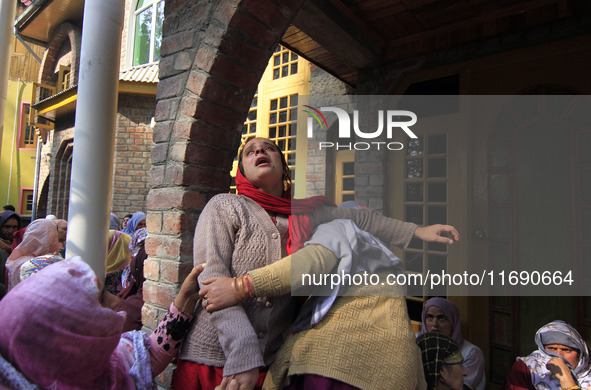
(218, 293)
(246, 380)
(438, 233)
(187, 298)
(560, 370)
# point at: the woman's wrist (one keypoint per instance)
(243, 288)
(185, 305)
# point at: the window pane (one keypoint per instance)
(348, 197)
(294, 68)
(142, 37)
(284, 71)
(414, 214)
(437, 192)
(414, 168)
(140, 4)
(294, 100)
(414, 192)
(437, 167)
(273, 118)
(437, 263)
(282, 116)
(283, 102)
(282, 131)
(294, 56)
(415, 147)
(348, 168)
(414, 262)
(349, 184)
(285, 57)
(276, 61)
(158, 33)
(437, 214)
(275, 74)
(273, 104)
(437, 144)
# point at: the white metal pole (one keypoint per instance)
(7, 14)
(13, 141)
(36, 177)
(94, 134)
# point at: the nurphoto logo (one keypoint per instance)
(390, 120)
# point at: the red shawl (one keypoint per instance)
(300, 227)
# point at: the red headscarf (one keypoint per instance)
(300, 227)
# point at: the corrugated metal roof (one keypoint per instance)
(144, 73)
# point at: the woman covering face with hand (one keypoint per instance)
(560, 362)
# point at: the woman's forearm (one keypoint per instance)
(276, 279)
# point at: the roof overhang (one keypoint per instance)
(39, 20)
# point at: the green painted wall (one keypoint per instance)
(22, 173)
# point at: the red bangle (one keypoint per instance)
(247, 282)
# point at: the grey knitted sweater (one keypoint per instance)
(235, 235)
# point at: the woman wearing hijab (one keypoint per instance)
(113, 222)
(131, 298)
(239, 233)
(561, 361)
(118, 258)
(441, 315)
(137, 221)
(9, 224)
(41, 238)
(442, 362)
(54, 333)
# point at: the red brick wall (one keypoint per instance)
(132, 161)
(213, 55)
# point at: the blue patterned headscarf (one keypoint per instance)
(557, 332)
(133, 222)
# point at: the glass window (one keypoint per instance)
(27, 136)
(284, 64)
(147, 31)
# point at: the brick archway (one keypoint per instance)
(213, 55)
(63, 32)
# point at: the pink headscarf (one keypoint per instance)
(451, 312)
(55, 332)
(40, 239)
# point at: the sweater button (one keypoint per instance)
(275, 236)
(261, 335)
(269, 304)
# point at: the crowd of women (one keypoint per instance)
(256, 325)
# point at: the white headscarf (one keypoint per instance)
(557, 332)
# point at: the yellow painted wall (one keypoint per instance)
(23, 160)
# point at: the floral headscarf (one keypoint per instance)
(138, 237)
(557, 332)
(40, 238)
